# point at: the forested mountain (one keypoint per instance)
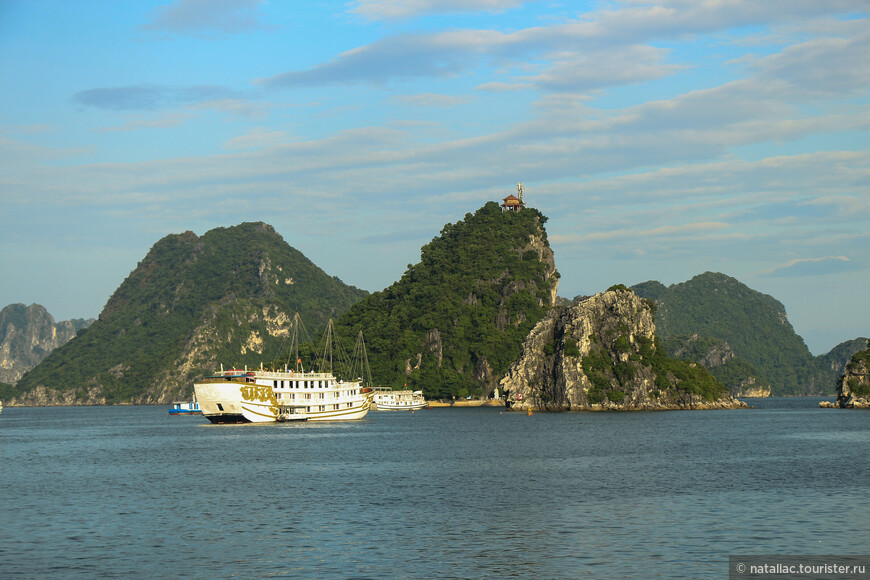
(193, 303)
(754, 325)
(456, 320)
(27, 335)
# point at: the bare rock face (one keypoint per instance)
(853, 388)
(27, 335)
(750, 389)
(545, 255)
(601, 353)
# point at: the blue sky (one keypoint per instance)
(662, 138)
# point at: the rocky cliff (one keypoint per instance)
(602, 353)
(853, 388)
(27, 335)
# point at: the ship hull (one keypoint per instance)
(388, 407)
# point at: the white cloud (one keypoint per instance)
(248, 109)
(431, 100)
(603, 48)
(594, 69)
(404, 9)
(152, 97)
(207, 17)
(256, 138)
(824, 266)
(692, 230)
(821, 67)
(166, 121)
(501, 87)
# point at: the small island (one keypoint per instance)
(853, 387)
(602, 354)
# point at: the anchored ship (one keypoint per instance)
(387, 399)
(269, 395)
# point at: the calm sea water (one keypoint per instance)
(445, 493)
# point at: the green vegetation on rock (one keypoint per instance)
(856, 377)
(7, 391)
(716, 355)
(456, 320)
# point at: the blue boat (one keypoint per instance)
(185, 408)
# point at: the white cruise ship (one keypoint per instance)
(242, 396)
(264, 396)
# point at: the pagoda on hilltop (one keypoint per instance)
(514, 202)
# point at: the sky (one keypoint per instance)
(661, 138)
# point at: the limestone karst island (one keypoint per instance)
(477, 320)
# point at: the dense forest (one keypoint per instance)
(455, 321)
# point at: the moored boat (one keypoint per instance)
(386, 399)
(185, 408)
(264, 396)
(269, 395)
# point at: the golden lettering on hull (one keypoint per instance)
(260, 393)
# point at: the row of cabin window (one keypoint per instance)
(305, 384)
(335, 407)
(292, 396)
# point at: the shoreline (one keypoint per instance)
(467, 403)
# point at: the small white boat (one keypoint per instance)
(387, 399)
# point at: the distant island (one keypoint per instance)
(743, 337)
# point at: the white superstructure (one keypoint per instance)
(389, 400)
(242, 396)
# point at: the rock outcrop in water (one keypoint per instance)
(853, 388)
(602, 354)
